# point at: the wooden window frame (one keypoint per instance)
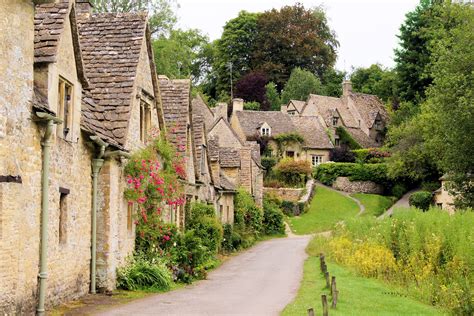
(316, 160)
(145, 120)
(65, 110)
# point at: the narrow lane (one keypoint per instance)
(260, 281)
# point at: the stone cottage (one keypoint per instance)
(316, 145)
(81, 92)
(362, 115)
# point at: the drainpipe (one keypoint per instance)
(50, 120)
(97, 164)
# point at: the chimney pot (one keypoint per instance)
(84, 7)
(346, 87)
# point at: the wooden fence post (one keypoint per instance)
(325, 305)
(333, 284)
(310, 312)
(334, 298)
(327, 279)
(321, 261)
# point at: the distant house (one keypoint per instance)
(443, 198)
(363, 115)
(252, 125)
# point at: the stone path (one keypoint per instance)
(403, 202)
(259, 281)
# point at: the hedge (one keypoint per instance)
(328, 172)
(421, 200)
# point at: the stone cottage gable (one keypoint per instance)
(201, 150)
(202, 109)
(225, 134)
(369, 107)
(250, 122)
(314, 134)
(295, 106)
(111, 46)
(326, 107)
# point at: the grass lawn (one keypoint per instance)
(375, 205)
(357, 295)
(327, 208)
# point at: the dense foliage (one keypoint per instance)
(328, 172)
(429, 254)
(376, 80)
(140, 274)
(421, 200)
(293, 172)
(273, 219)
(345, 139)
(341, 154)
(251, 88)
(371, 155)
(300, 85)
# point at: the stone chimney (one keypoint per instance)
(220, 111)
(346, 87)
(237, 105)
(84, 7)
(283, 108)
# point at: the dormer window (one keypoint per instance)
(292, 112)
(335, 120)
(265, 131)
(378, 124)
(65, 107)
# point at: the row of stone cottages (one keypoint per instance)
(79, 93)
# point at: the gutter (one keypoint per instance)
(50, 120)
(97, 164)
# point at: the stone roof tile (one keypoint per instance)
(250, 121)
(369, 106)
(313, 133)
(229, 157)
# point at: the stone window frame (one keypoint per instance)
(335, 120)
(146, 105)
(316, 160)
(63, 215)
(265, 131)
(203, 159)
(65, 108)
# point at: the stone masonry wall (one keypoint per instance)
(344, 184)
(287, 194)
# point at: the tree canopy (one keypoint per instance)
(300, 85)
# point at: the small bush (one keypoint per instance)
(268, 162)
(274, 183)
(139, 274)
(232, 239)
(273, 219)
(293, 172)
(328, 172)
(421, 200)
(370, 155)
(190, 258)
(247, 217)
(341, 154)
(398, 190)
(202, 219)
(289, 208)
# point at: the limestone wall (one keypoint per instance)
(345, 185)
(287, 194)
(226, 208)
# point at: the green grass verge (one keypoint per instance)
(375, 205)
(357, 295)
(327, 208)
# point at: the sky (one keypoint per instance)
(366, 29)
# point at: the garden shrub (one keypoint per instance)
(268, 162)
(341, 154)
(140, 273)
(430, 186)
(429, 254)
(421, 200)
(232, 240)
(274, 183)
(247, 217)
(203, 220)
(289, 208)
(328, 172)
(273, 219)
(398, 190)
(370, 155)
(293, 172)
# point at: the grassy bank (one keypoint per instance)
(327, 208)
(375, 205)
(357, 295)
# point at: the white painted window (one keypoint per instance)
(316, 160)
(292, 112)
(265, 131)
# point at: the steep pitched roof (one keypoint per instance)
(213, 148)
(362, 138)
(326, 107)
(201, 108)
(313, 133)
(226, 184)
(368, 107)
(299, 105)
(176, 105)
(111, 45)
(221, 120)
(49, 24)
(250, 121)
(198, 134)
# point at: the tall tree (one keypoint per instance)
(181, 54)
(162, 17)
(413, 56)
(332, 82)
(448, 112)
(293, 37)
(251, 87)
(273, 97)
(235, 47)
(375, 80)
(301, 84)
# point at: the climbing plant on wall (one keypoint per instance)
(286, 139)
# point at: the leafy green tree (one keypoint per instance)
(251, 87)
(375, 80)
(413, 56)
(181, 55)
(293, 37)
(273, 97)
(235, 47)
(301, 84)
(448, 112)
(332, 82)
(162, 17)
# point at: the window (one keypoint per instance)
(130, 208)
(221, 211)
(290, 154)
(228, 214)
(316, 160)
(335, 119)
(65, 107)
(265, 131)
(145, 120)
(292, 112)
(337, 142)
(440, 205)
(378, 124)
(63, 205)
